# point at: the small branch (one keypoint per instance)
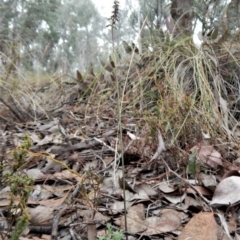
(186, 182)
(10, 108)
(119, 155)
(54, 234)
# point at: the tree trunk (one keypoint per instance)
(182, 14)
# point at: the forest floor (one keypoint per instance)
(106, 167)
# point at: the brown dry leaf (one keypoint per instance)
(167, 222)
(41, 215)
(135, 219)
(52, 165)
(4, 224)
(160, 148)
(108, 67)
(237, 236)
(208, 155)
(203, 190)
(208, 181)
(66, 174)
(132, 136)
(46, 140)
(135, 225)
(90, 165)
(48, 125)
(196, 202)
(91, 231)
(127, 185)
(231, 223)
(128, 195)
(192, 202)
(127, 48)
(108, 160)
(175, 198)
(6, 198)
(59, 190)
(227, 192)
(35, 173)
(183, 216)
(224, 229)
(197, 229)
(107, 185)
(146, 188)
(224, 109)
(141, 195)
(79, 77)
(35, 137)
(53, 202)
(231, 173)
(117, 206)
(165, 187)
(46, 191)
(137, 210)
(112, 62)
(98, 217)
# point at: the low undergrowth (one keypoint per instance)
(190, 94)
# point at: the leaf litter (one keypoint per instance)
(75, 162)
(92, 195)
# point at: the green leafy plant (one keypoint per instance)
(22, 223)
(19, 184)
(192, 166)
(20, 154)
(111, 234)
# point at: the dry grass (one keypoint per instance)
(182, 90)
(178, 87)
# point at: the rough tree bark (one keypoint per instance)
(182, 14)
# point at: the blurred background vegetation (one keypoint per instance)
(186, 64)
(61, 36)
(54, 36)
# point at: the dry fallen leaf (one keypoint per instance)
(230, 173)
(146, 188)
(160, 148)
(41, 215)
(208, 155)
(135, 219)
(197, 229)
(227, 192)
(165, 187)
(208, 181)
(167, 222)
(92, 231)
(175, 198)
(118, 206)
(132, 136)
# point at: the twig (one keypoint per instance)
(160, 149)
(54, 234)
(98, 156)
(11, 109)
(191, 186)
(161, 146)
(102, 142)
(118, 158)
